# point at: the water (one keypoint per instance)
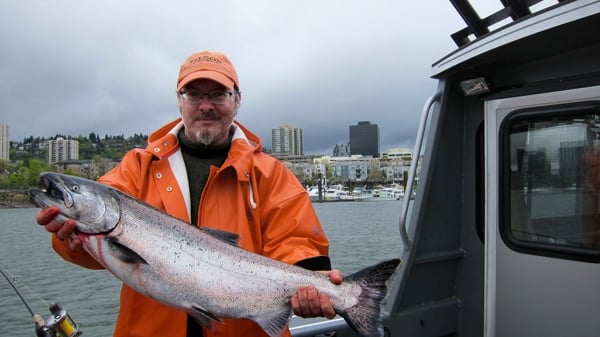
(361, 234)
(89, 296)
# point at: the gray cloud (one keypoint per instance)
(73, 67)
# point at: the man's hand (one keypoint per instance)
(63, 230)
(307, 302)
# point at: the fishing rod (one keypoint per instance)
(58, 324)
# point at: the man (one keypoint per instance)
(208, 169)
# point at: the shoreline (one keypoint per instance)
(15, 199)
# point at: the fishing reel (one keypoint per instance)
(58, 324)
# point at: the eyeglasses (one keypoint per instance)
(196, 97)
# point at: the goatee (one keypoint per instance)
(204, 137)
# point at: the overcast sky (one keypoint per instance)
(110, 67)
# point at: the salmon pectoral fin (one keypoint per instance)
(276, 322)
(122, 252)
(204, 318)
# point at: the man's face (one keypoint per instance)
(207, 109)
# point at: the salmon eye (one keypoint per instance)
(75, 188)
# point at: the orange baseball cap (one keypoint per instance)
(210, 65)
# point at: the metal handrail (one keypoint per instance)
(413, 168)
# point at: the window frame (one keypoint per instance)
(538, 113)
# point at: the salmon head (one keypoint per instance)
(94, 206)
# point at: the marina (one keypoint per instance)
(339, 193)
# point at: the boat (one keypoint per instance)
(388, 193)
(512, 131)
(331, 194)
(337, 195)
(363, 196)
(313, 193)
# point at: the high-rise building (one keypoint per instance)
(4, 142)
(61, 149)
(341, 150)
(287, 140)
(364, 139)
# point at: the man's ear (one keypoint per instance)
(179, 103)
(237, 102)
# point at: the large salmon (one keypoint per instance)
(202, 271)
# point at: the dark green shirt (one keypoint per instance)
(198, 159)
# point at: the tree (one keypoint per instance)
(4, 166)
(17, 180)
(376, 175)
(93, 137)
(33, 171)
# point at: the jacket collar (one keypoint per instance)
(163, 143)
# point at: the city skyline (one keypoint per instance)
(330, 148)
(121, 78)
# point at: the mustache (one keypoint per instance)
(208, 116)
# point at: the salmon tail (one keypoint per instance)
(365, 316)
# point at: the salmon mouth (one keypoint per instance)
(51, 190)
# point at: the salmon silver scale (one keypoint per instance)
(202, 271)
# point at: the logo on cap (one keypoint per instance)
(205, 58)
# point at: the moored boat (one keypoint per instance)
(388, 193)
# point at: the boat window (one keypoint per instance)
(551, 181)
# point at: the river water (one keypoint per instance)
(361, 234)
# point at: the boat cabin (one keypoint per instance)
(513, 131)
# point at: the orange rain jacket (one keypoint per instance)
(251, 194)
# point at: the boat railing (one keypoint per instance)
(476, 26)
(413, 168)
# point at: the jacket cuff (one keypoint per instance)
(315, 263)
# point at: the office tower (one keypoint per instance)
(287, 140)
(364, 139)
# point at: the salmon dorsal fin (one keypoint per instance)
(228, 237)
